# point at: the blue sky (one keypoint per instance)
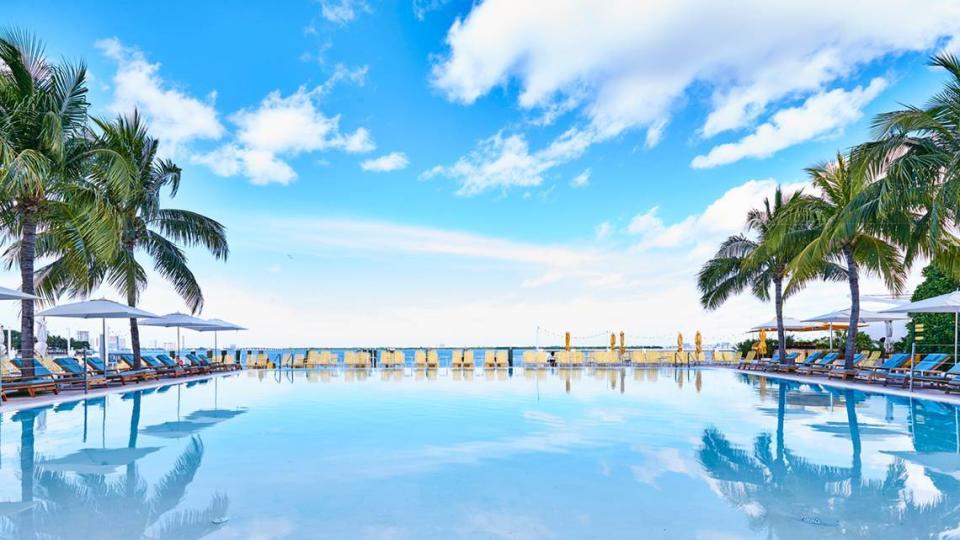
(431, 171)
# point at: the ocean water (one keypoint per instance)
(403, 454)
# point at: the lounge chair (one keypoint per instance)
(923, 370)
(96, 364)
(501, 359)
(489, 359)
(205, 364)
(78, 375)
(895, 361)
(749, 360)
(776, 364)
(468, 360)
(821, 362)
(534, 359)
(161, 368)
(420, 359)
(42, 381)
(947, 380)
(433, 359)
(456, 359)
(171, 365)
(809, 360)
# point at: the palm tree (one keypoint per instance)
(144, 226)
(44, 151)
(915, 159)
(846, 225)
(743, 262)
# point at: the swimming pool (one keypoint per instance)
(645, 453)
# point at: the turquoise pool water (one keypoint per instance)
(703, 454)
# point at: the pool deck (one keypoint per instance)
(16, 403)
(919, 393)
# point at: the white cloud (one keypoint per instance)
(279, 128)
(398, 238)
(581, 180)
(394, 161)
(422, 7)
(502, 162)
(643, 57)
(702, 233)
(175, 117)
(819, 115)
(342, 11)
(602, 230)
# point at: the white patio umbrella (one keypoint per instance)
(945, 303)
(842, 316)
(215, 326)
(102, 309)
(13, 294)
(178, 321)
(789, 324)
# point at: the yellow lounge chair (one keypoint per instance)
(433, 359)
(501, 359)
(456, 359)
(468, 361)
(489, 359)
(420, 358)
(299, 362)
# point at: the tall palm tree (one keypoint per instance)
(144, 226)
(846, 226)
(44, 150)
(753, 262)
(915, 158)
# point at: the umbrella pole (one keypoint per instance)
(831, 337)
(178, 343)
(955, 315)
(106, 352)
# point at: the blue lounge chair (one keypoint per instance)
(160, 367)
(820, 363)
(923, 369)
(77, 374)
(171, 363)
(42, 381)
(96, 364)
(202, 362)
(895, 361)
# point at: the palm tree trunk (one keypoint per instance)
(856, 465)
(28, 250)
(854, 280)
(781, 334)
(134, 327)
(134, 335)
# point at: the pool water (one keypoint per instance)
(645, 453)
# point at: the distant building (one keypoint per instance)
(83, 335)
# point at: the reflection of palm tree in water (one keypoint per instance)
(791, 497)
(93, 506)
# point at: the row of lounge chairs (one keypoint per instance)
(55, 374)
(896, 370)
(469, 359)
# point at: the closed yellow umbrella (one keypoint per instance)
(566, 341)
(613, 341)
(698, 341)
(679, 347)
(622, 344)
(762, 343)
